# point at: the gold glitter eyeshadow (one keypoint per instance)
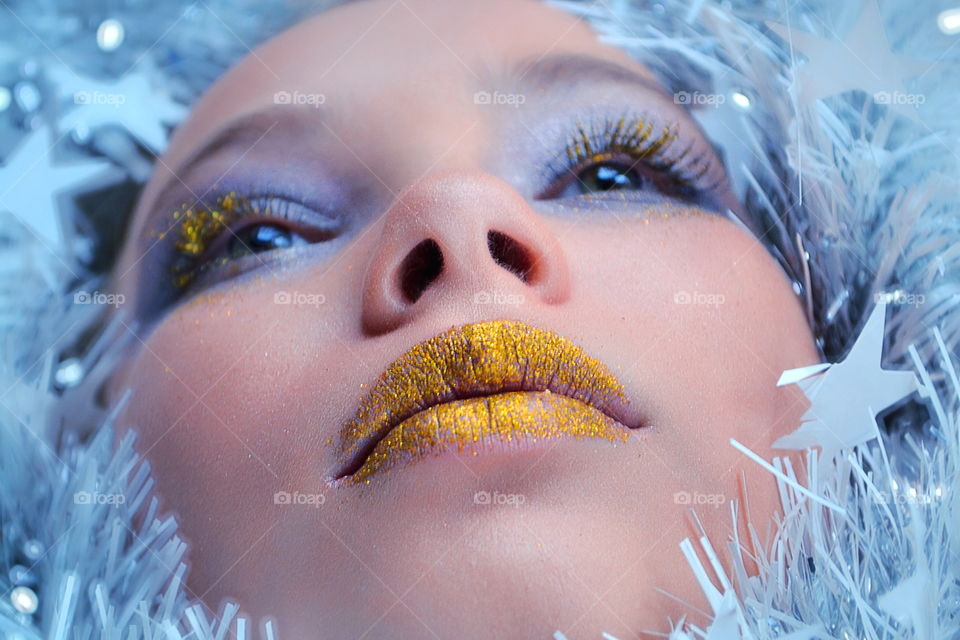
(197, 228)
(455, 375)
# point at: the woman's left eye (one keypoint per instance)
(262, 237)
(610, 175)
(632, 153)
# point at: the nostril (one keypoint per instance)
(421, 267)
(511, 255)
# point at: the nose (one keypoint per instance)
(459, 237)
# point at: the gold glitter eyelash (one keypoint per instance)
(638, 138)
(634, 138)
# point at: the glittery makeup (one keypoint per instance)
(492, 381)
(194, 228)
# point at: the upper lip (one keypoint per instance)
(473, 360)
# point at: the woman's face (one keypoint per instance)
(389, 173)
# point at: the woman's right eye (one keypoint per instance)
(235, 227)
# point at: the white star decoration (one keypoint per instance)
(846, 397)
(862, 60)
(31, 186)
(130, 102)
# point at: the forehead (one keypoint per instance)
(374, 49)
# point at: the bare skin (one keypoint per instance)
(238, 397)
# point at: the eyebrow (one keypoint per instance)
(568, 69)
(572, 68)
(245, 131)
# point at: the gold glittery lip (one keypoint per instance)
(499, 380)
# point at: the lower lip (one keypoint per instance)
(472, 424)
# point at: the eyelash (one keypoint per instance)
(684, 172)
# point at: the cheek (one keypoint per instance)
(230, 398)
(714, 322)
(232, 403)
